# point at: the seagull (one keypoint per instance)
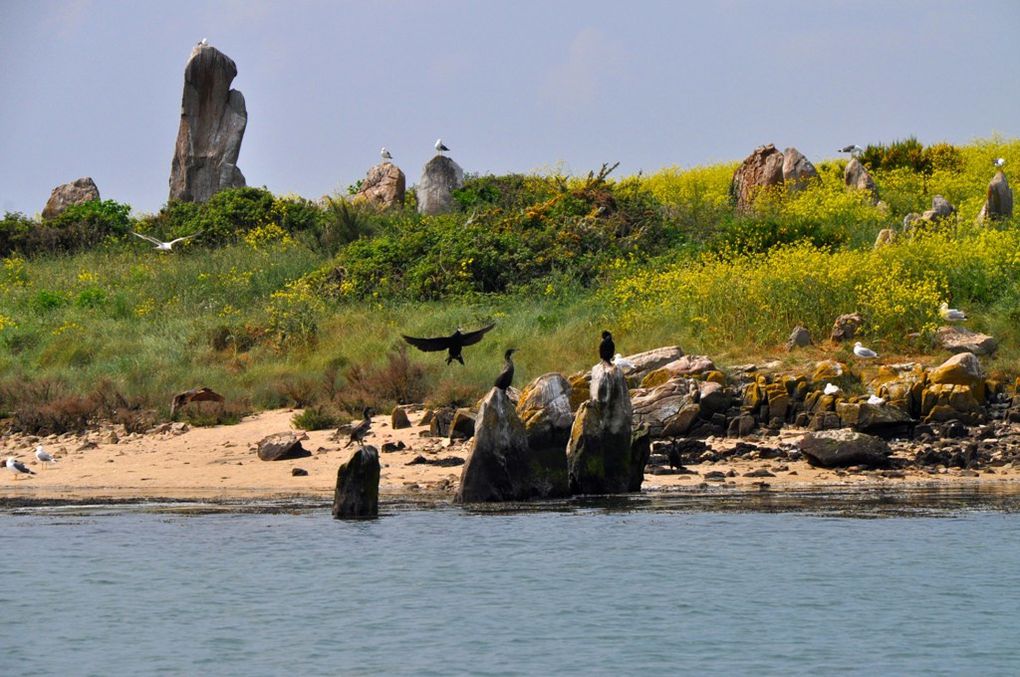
(440, 147)
(17, 467)
(861, 351)
(853, 149)
(164, 246)
(44, 456)
(951, 314)
(876, 400)
(359, 431)
(830, 389)
(622, 362)
(999, 162)
(385, 154)
(204, 42)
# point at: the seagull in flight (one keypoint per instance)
(44, 456)
(385, 154)
(17, 467)
(861, 351)
(951, 314)
(853, 149)
(440, 147)
(164, 246)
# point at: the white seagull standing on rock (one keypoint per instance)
(44, 456)
(999, 162)
(951, 314)
(164, 246)
(440, 147)
(876, 400)
(17, 467)
(830, 389)
(385, 154)
(861, 351)
(622, 362)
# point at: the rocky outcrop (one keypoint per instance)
(643, 364)
(501, 466)
(845, 327)
(599, 454)
(760, 170)
(440, 177)
(213, 119)
(77, 192)
(881, 420)
(998, 201)
(798, 172)
(383, 187)
(688, 365)
(544, 408)
(963, 340)
(280, 446)
(357, 485)
(885, 236)
(940, 209)
(857, 177)
(667, 409)
(844, 448)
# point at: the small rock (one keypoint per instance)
(298, 472)
(800, 338)
(390, 447)
(399, 420)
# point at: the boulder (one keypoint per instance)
(640, 452)
(885, 236)
(740, 426)
(657, 407)
(857, 177)
(940, 209)
(963, 340)
(77, 192)
(201, 394)
(798, 172)
(213, 119)
(761, 169)
(439, 422)
(383, 186)
(687, 365)
(799, 338)
(544, 408)
(398, 419)
(280, 446)
(462, 427)
(828, 370)
(845, 327)
(501, 466)
(960, 369)
(998, 201)
(644, 362)
(599, 456)
(881, 420)
(713, 398)
(909, 220)
(844, 448)
(439, 178)
(357, 485)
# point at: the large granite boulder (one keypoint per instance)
(599, 454)
(280, 446)
(383, 186)
(501, 466)
(213, 118)
(667, 409)
(544, 408)
(77, 192)
(760, 170)
(998, 201)
(960, 369)
(798, 172)
(857, 177)
(688, 365)
(963, 340)
(439, 178)
(881, 420)
(357, 485)
(844, 448)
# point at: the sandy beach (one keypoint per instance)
(220, 464)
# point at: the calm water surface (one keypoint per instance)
(631, 588)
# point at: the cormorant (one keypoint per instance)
(506, 377)
(359, 431)
(452, 343)
(607, 349)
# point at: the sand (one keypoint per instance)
(220, 464)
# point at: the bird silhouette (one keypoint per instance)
(362, 429)
(506, 377)
(607, 349)
(452, 343)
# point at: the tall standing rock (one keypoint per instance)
(77, 192)
(384, 186)
(213, 118)
(857, 177)
(599, 455)
(798, 172)
(761, 169)
(999, 200)
(357, 485)
(440, 177)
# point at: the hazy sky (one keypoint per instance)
(93, 87)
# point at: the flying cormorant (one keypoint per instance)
(452, 343)
(506, 377)
(359, 431)
(607, 349)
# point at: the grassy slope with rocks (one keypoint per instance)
(282, 301)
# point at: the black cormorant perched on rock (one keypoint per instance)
(359, 431)
(506, 377)
(607, 349)
(452, 344)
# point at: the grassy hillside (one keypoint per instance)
(283, 301)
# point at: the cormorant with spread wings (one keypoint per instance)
(452, 343)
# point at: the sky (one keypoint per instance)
(93, 87)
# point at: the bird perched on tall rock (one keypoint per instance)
(453, 343)
(362, 429)
(440, 147)
(999, 162)
(385, 154)
(607, 349)
(506, 377)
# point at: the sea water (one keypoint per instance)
(587, 588)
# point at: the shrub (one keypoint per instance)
(78, 227)
(399, 381)
(319, 417)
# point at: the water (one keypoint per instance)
(639, 587)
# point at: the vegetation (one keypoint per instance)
(281, 301)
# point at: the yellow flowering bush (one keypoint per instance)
(266, 236)
(294, 311)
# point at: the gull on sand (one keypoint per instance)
(17, 467)
(861, 351)
(951, 314)
(44, 456)
(164, 246)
